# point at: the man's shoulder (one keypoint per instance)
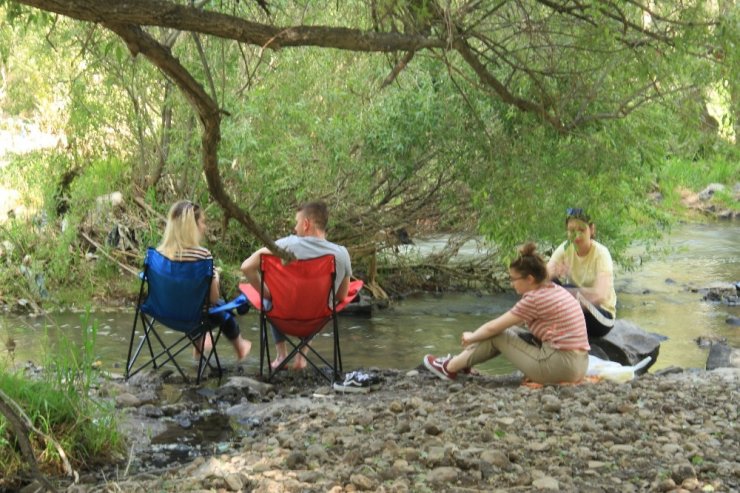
(310, 245)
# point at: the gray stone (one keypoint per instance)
(239, 382)
(628, 344)
(721, 355)
(546, 483)
(435, 456)
(295, 460)
(443, 475)
(127, 400)
(721, 292)
(399, 486)
(496, 458)
(316, 451)
(234, 482)
(710, 190)
(362, 482)
(551, 404)
(432, 429)
(151, 411)
(682, 471)
(148, 396)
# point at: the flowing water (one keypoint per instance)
(658, 297)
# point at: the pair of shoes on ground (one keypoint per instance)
(358, 381)
(438, 366)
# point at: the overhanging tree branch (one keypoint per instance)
(167, 14)
(489, 80)
(139, 41)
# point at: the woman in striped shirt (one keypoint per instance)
(551, 314)
(186, 226)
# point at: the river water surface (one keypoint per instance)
(658, 297)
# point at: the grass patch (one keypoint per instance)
(60, 405)
(677, 176)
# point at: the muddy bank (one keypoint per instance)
(673, 431)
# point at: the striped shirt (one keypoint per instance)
(193, 254)
(554, 316)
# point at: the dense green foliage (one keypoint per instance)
(432, 151)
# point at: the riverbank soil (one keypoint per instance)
(672, 431)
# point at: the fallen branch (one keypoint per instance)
(141, 203)
(21, 425)
(109, 256)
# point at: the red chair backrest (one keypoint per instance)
(300, 291)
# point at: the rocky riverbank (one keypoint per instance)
(670, 431)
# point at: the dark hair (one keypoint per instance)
(530, 263)
(181, 207)
(317, 212)
(577, 213)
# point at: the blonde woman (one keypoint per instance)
(186, 226)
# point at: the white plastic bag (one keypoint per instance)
(613, 371)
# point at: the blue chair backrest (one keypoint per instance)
(177, 291)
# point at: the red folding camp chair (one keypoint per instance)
(302, 303)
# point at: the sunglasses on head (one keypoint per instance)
(577, 213)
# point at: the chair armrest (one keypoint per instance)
(252, 295)
(354, 289)
(234, 304)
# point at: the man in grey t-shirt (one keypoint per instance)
(309, 241)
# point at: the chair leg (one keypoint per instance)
(131, 342)
(296, 348)
(170, 356)
(129, 360)
(148, 328)
(337, 351)
(205, 362)
(264, 348)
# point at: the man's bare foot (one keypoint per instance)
(276, 362)
(299, 363)
(243, 347)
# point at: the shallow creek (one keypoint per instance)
(659, 297)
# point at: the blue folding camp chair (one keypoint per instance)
(175, 295)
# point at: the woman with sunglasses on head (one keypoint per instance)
(551, 314)
(584, 266)
(186, 227)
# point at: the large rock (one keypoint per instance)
(627, 344)
(727, 293)
(721, 355)
(710, 190)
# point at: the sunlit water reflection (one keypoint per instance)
(657, 297)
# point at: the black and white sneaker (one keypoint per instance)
(357, 381)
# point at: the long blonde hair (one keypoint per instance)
(182, 230)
